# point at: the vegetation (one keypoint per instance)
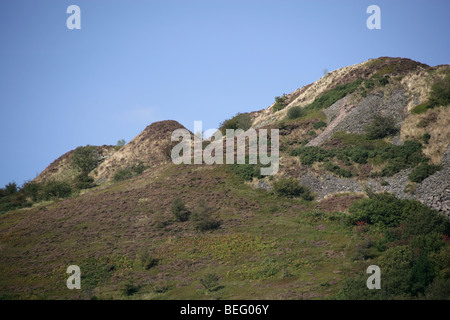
(410, 251)
(319, 124)
(210, 282)
(280, 103)
(422, 171)
(179, 210)
(128, 173)
(329, 97)
(239, 121)
(295, 112)
(203, 219)
(361, 150)
(85, 158)
(381, 127)
(439, 96)
(120, 144)
(290, 187)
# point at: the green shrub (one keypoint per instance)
(246, 171)
(295, 112)
(319, 125)
(203, 219)
(310, 155)
(420, 108)
(210, 282)
(85, 158)
(32, 190)
(280, 103)
(381, 127)
(382, 209)
(239, 121)
(440, 92)
(120, 144)
(426, 138)
(11, 188)
(55, 189)
(83, 181)
(329, 97)
(179, 210)
(290, 187)
(129, 289)
(422, 171)
(337, 170)
(138, 168)
(123, 174)
(145, 260)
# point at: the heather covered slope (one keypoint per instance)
(254, 237)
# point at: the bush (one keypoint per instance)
(290, 187)
(295, 112)
(280, 103)
(426, 138)
(56, 189)
(338, 170)
(83, 181)
(246, 171)
(319, 124)
(138, 168)
(145, 260)
(32, 190)
(329, 97)
(120, 144)
(11, 188)
(383, 209)
(180, 211)
(239, 121)
(381, 127)
(85, 158)
(422, 171)
(210, 282)
(203, 219)
(122, 174)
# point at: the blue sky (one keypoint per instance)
(137, 62)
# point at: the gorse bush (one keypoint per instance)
(439, 96)
(85, 158)
(203, 219)
(423, 171)
(145, 261)
(83, 181)
(128, 173)
(413, 252)
(290, 187)
(246, 171)
(179, 210)
(210, 282)
(381, 127)
(240, 121)
(280, 103)
(295, 112)
(319, 124)
(329, 97)
(56, 189)
(123, 174)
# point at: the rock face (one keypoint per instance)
(150, 147)
(434, 191)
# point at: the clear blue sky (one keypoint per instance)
(136, 62)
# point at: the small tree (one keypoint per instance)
(381, 127)
(85, 158)
(120, 144)
(179, 210)
(203, 219)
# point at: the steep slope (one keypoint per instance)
(62, 169)
(151, 147)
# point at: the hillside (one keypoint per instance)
(309, 232)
